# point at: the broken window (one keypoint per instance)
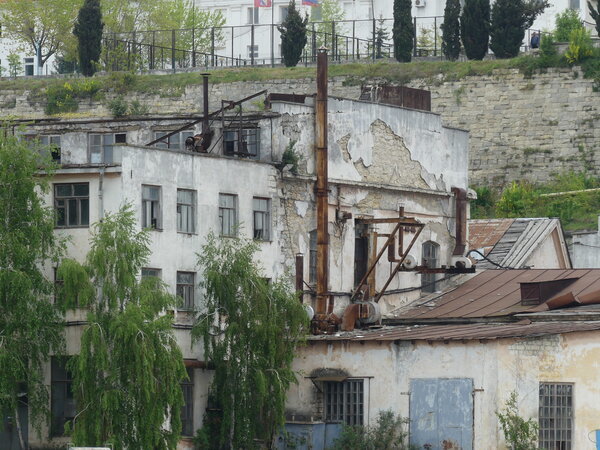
(186, 211)
(312, 257)
(176, 142)
(53, 143)
(344, 401)
(242, 142)
(228, 214)
(101, 147)
(430, 253)
(62, 401)
(262, 218)
(185, 288)
(151, 214)
(556, 416)
(187, 410)
(150, 272)
(72, 204)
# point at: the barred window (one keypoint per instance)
(227, 214)
(186, 211)
(262, 218)
(556, 416)
(344, 401)
(72, 204)
(185, 288)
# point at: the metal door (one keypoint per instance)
(441, 413)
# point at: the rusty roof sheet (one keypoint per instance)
(497, 293)
(485, 233)
(462, 332)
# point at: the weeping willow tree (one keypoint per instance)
(31, 324)
(126, 379)
(250, 330)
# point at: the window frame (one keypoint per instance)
(67, 205)
(55, 148)
(250, 137)
(155, 205)
(232, 211)
(106, 149)
(181, 288)
(191, 208)
(252, 15)
(252, 51)
(550, 418)
(175, 142)
(265, 215)
(341, 402)
(66, 388)
(429, 280)
(157, 272)
(283, 12)
(187, 409)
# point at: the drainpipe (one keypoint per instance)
(300, 275)
(321, 186)
(101, 195)
(460, 200)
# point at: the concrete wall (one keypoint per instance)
(496, 367)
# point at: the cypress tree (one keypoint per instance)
(403, 33)
(293, 36)
(88, 30)
(510, 19)
(451, 30)
(595, 13)
(475, 28)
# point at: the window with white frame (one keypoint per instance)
(186, 211)
(72, 204)
(53, 143)
(262, 218)
(28, 66)
(227, 214)
(283, 13)
(176, 141)
(556, 416)
(244, 142)
(101, 146)
(185, 288)
(151, 211)
(252, 51)
(252, 15)
(187, 410)
(344, 401)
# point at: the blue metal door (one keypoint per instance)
(441, 413)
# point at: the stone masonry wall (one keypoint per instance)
(521, 128)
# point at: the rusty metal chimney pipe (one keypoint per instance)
(321, 187)
(205, 113)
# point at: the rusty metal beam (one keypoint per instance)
(405, 221)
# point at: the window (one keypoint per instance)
(52, 142)
(556, 416)
(185, 288)
(149, 272)
(186, 211)
(101, 147)
(187, 410)
(244, 142)
(361, 252)
(283, 13)
(262, 218)
(344, 401)
(312, 257)
(228, 214)
(72, 204)
(151, 215)
(252, 51)
(252, 15)
(431, 252)
(316, 13)
(574, 4)
(62, 402)
(177, 141)
(28, 66)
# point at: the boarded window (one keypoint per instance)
(344, 401)
(556, 416)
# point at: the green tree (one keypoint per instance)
(565, 23)
(331, 11)
(126, 379)
(31, 324)
(509, 21)
(403, 32)
(44, 26)
(516, 200)
(88, 30)
(451, 30)
(15, 67)
(293, 36)
(595, 13)
(475, 28)
(381, 36)
(519, 433)
(250, 330)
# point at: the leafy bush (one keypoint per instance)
(519, 433)
(483, 206)
(580, 46)
(61, 98)
(516, 200)
(566, 22)
(137, 109)
(388, 434)
(118, 107)
(291, 157)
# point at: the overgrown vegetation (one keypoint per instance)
(403, 30)
(520, 434)
(293, 36)
(88, 30)
(451, 30)
(250, 329)
(389, 433)
(475, 28)
(577, 210)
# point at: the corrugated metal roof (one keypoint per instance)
(485, 233)
(496, 293)
(461, 332)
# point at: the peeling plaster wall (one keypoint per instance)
(498, 367)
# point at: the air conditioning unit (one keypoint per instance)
(420, 3)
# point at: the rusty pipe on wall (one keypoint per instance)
(461, 201)
(321, 185)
